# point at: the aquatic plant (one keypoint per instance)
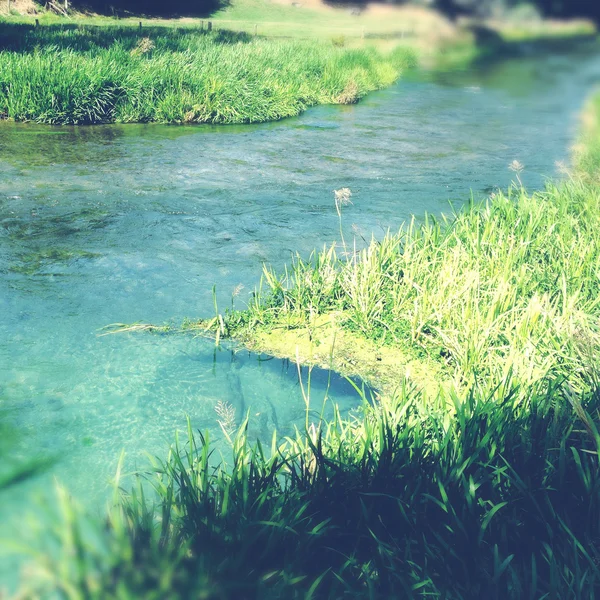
(226, 417)
(38, 262)
(342, 198)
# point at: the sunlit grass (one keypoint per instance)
(587, 151)
(508, 286)
(277, 19)
(76, 76)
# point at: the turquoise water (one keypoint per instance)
(124, 223)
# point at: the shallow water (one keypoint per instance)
(125, 223)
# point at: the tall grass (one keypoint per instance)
(587, 151)
(103, 75)
(501, 501)
(510, 285)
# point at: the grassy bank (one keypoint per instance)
(262, 61)
(506, 287)
(499, 501)
(71, 75)
(587, 151)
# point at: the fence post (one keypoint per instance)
(210, 26)
(140, 26)
(256, 30)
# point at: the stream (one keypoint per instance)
(110, 224)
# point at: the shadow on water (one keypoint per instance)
(496, 49)
(175, 377)
(523, 69)
(28, 145)
(31, 145)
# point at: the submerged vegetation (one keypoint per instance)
(61, 75)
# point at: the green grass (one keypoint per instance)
(587, 152)
(274, 19)
(500, 500)
(80, 76)
(509, 286)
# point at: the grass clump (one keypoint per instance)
(510, 285)
(79, 76)
(498, 501)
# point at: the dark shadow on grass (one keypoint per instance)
(152, 8)
(86, 38)
(493, 47)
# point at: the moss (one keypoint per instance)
(328, 344)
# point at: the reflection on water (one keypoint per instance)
(125, 223)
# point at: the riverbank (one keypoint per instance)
(75, 76)
(505, 287)
(587, 150)
(259, 62)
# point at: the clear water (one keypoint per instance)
(123, 223)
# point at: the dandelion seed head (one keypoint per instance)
(342, 196)
(516, 166)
